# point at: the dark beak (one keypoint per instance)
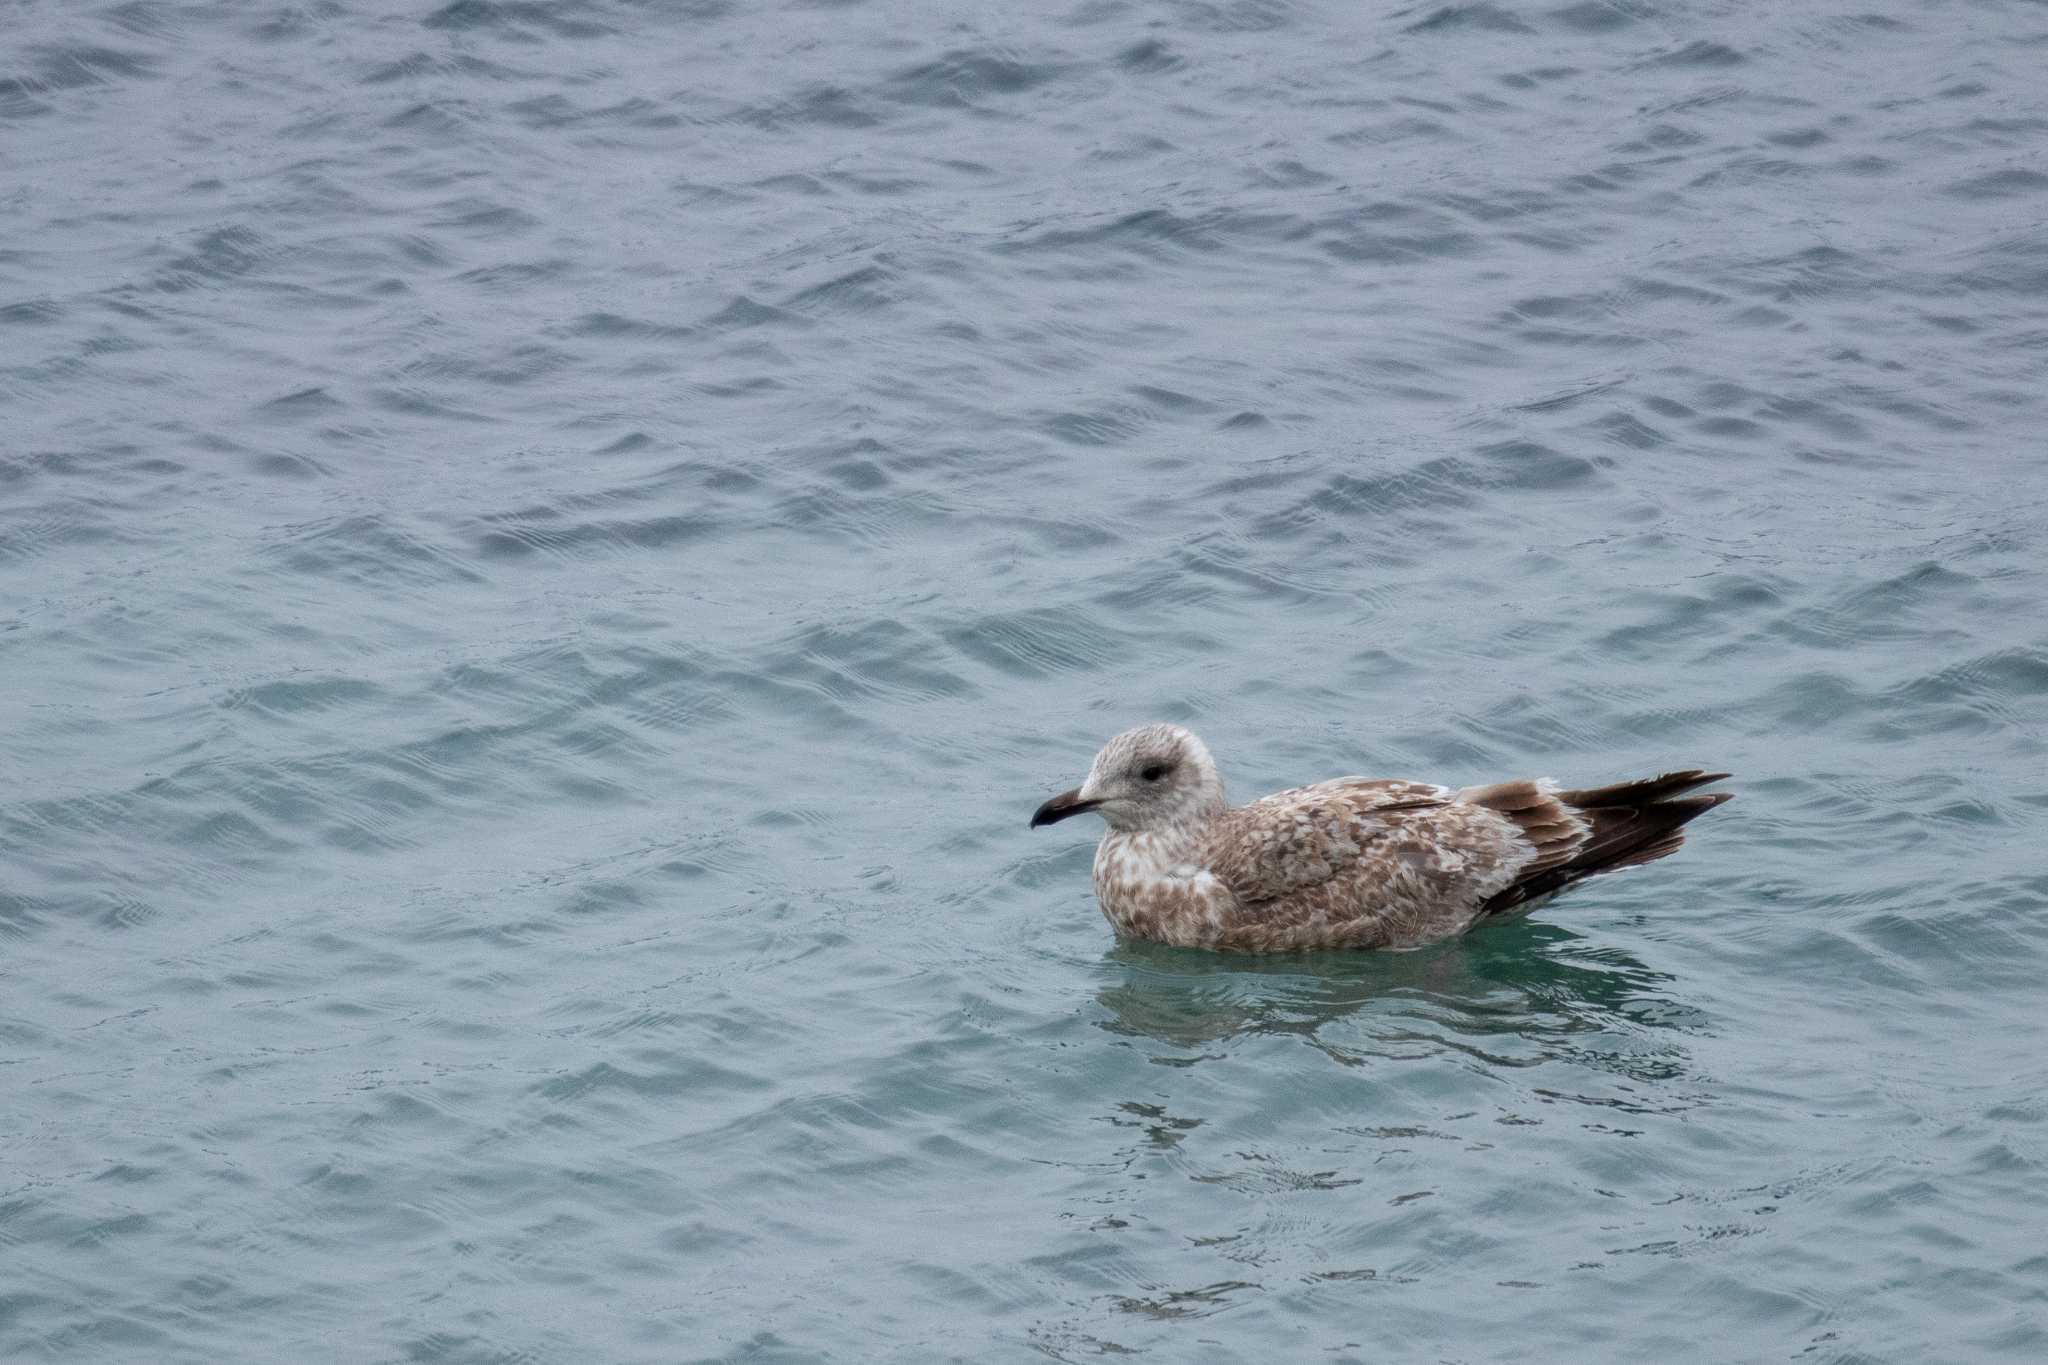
(1060, 807)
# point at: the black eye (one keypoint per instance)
(1154, 771)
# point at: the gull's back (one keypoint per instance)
(1365, 863)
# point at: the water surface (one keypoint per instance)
(548, 551)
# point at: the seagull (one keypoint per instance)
(1354, 862)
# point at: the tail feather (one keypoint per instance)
(1631, 823)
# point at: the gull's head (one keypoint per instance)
(1156, 777)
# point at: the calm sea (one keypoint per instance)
(549, 550)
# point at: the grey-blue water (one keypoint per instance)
(549, 550)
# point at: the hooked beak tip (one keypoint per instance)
(1060, 807)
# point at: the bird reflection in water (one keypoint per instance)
(1518, 994)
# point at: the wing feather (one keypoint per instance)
(1369, 863)
(1580, 834)
(1295, 841)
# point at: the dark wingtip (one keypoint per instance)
(1641, 792)
(1687, 807)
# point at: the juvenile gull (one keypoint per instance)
(1354, 862)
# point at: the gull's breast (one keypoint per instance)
(1144, 895)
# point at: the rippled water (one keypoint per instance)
(549, 550)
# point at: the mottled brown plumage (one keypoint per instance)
(1349, 863)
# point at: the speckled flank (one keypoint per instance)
(1352, 862)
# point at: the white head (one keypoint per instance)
(1156, 778)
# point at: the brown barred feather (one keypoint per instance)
(1632, 823)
